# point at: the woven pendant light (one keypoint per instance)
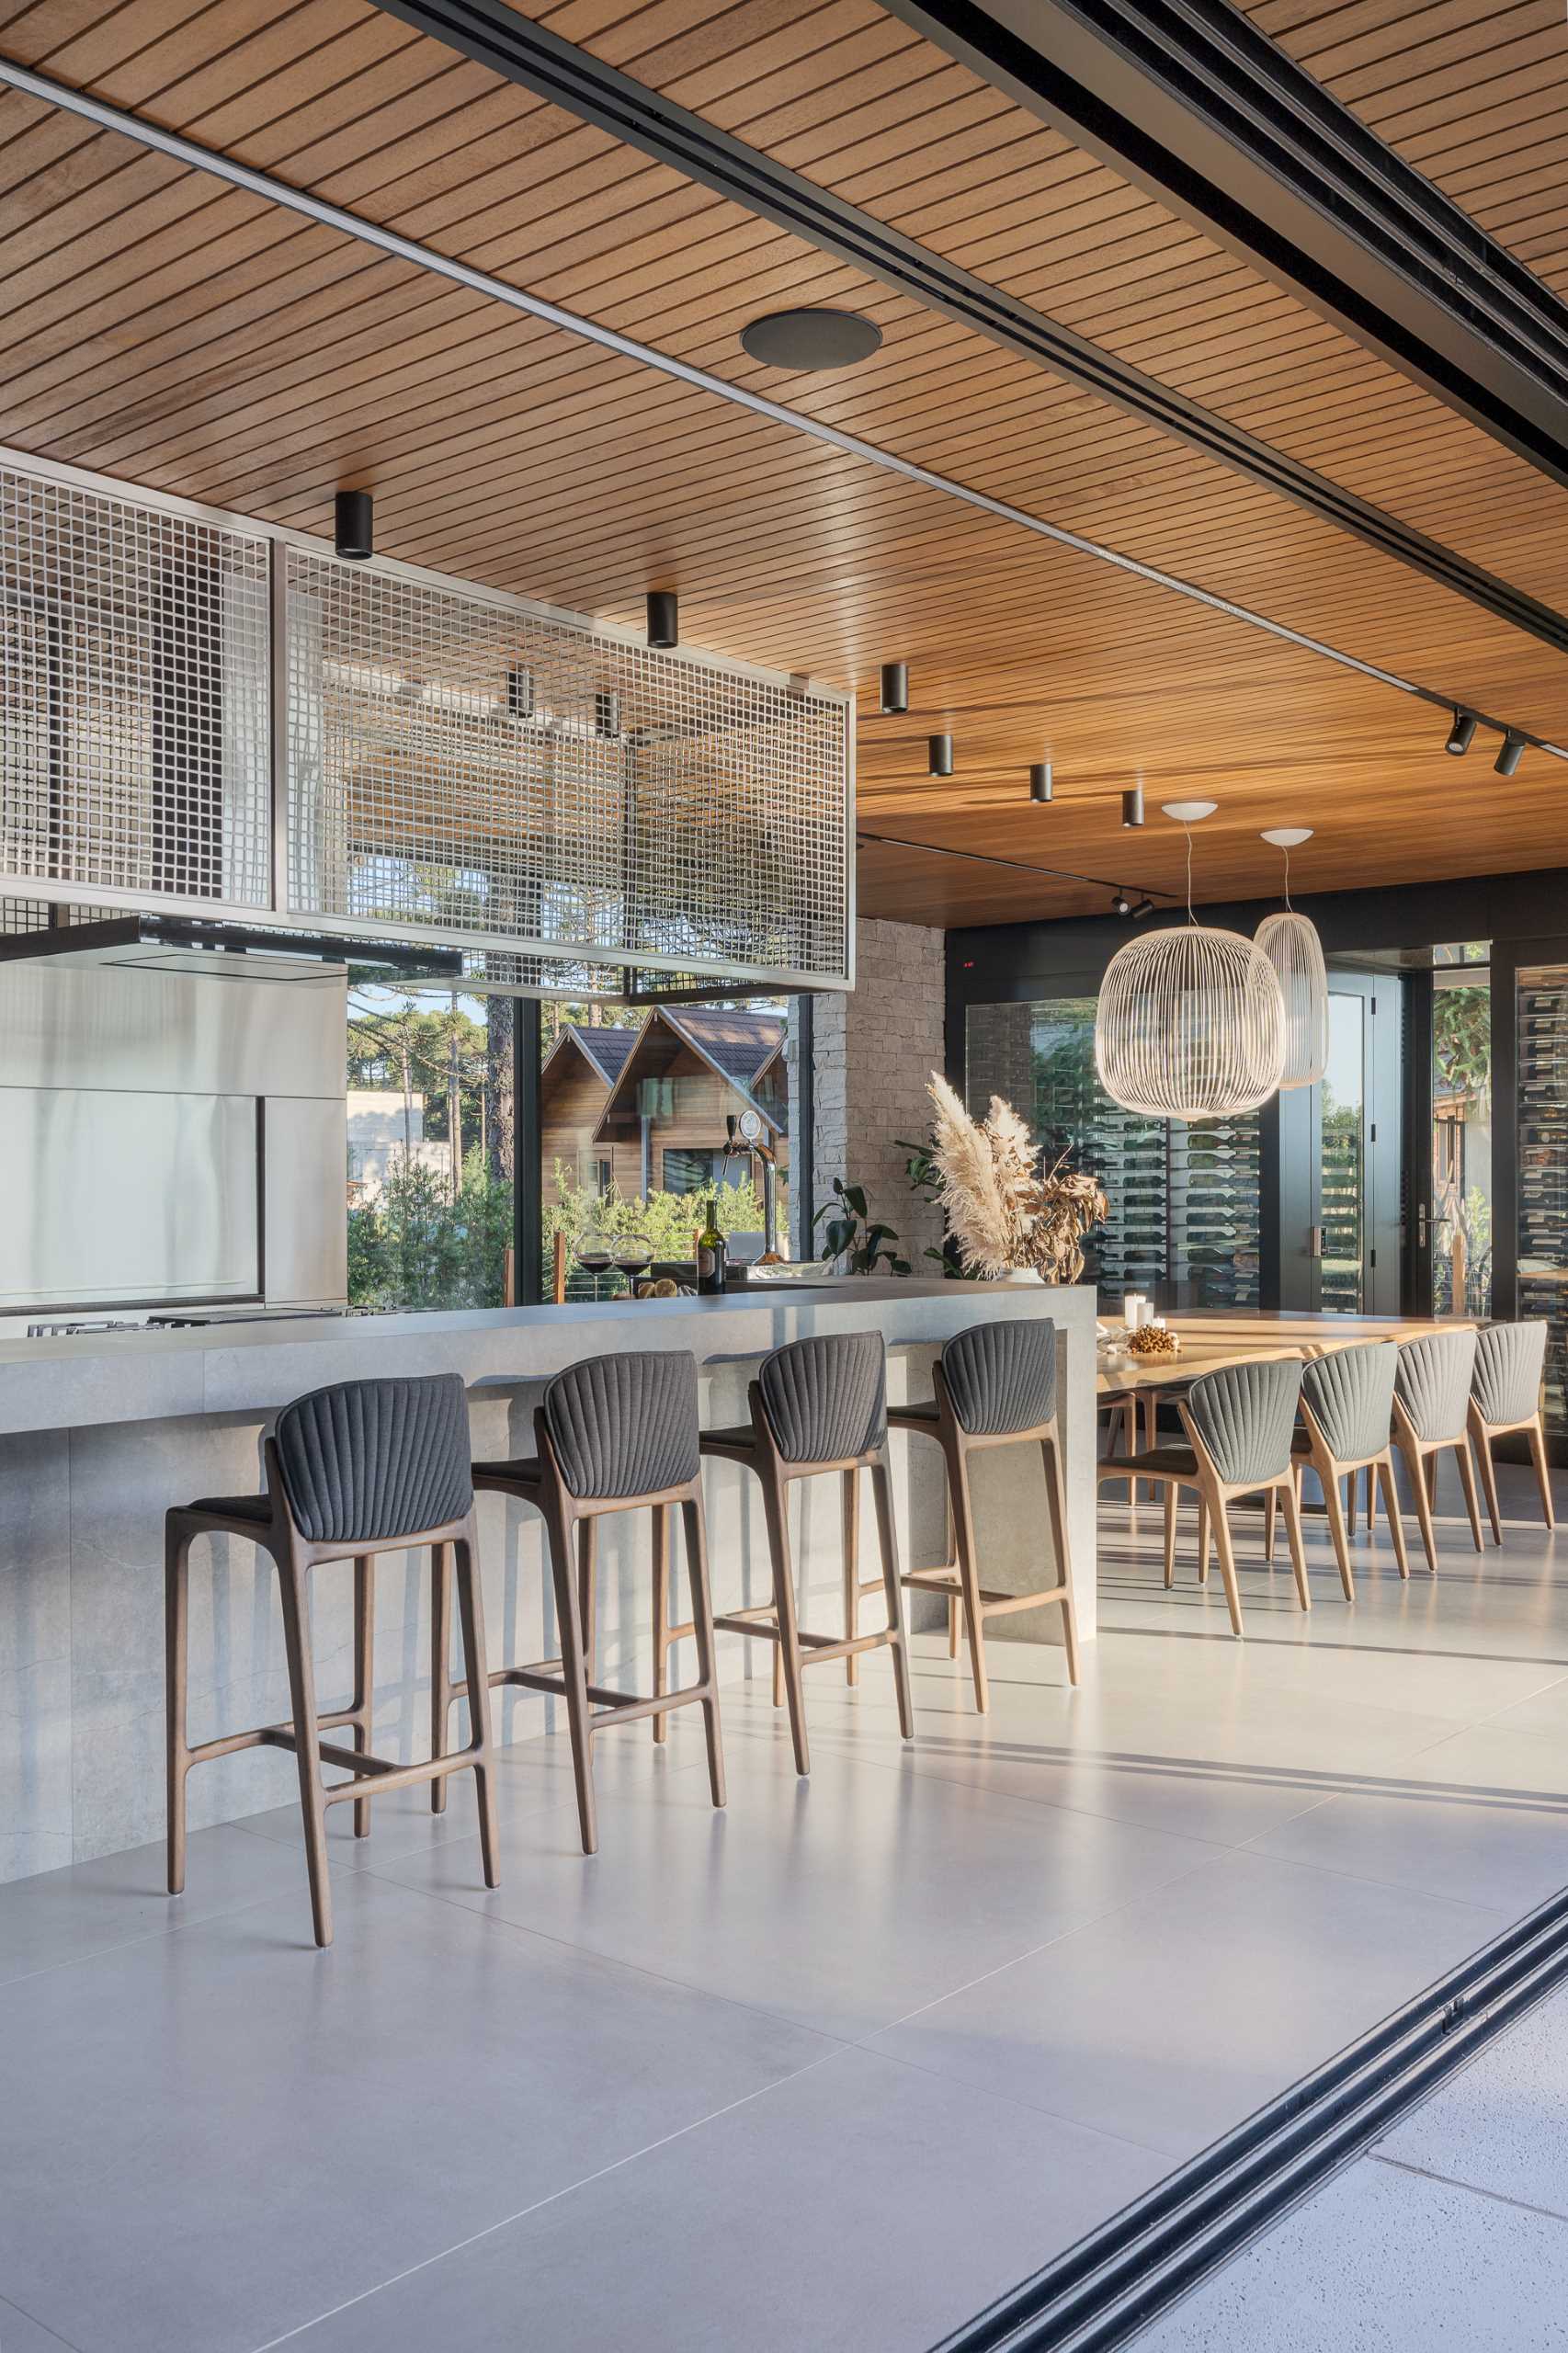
(1291, 944)
(1190, 1023)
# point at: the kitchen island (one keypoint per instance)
(101, 1432)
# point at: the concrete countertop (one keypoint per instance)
(238, 1367)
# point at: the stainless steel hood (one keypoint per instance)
(178, 943)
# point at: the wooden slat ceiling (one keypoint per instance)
(1474, 95)
(186, 336)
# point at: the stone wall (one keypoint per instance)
(874, 1051)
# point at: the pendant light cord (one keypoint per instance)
(1289, 908)
(1190, 916)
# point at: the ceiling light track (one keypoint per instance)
(1017, 865)
(524, 52)
(189, 151)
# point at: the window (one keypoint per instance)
(691, 1172)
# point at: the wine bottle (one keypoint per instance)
(710, 1254)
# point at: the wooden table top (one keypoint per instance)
(1215, 1337)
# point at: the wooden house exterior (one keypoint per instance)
(644, 1110)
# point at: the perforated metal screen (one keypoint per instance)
(133, 698)
(470, 767)
(568, 806)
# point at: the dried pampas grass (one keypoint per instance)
(1001, 1212)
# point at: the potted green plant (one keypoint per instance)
(855, 1243)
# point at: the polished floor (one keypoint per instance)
(828, 2071)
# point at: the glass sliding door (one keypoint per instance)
(1461, 1131)
(1542, 1011)
(1342, 1159)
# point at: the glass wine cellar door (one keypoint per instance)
(1339, 1160)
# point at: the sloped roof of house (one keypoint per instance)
(740, 1044)
(606, 1051)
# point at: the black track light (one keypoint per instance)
(1132, 805)
(520, 691)
(939, 755)
(663, 620)
(1144, 908)
(606, 713)
(354, 525)
(1040, 781)
(1120, 904)
(1508, 758)
(895, 689)
(1461, 734)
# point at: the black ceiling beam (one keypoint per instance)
(496, 37)
(1189, 101)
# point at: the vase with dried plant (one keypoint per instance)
(1008, 1215)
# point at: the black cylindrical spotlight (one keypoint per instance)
(663, 620)
(607, 712)
(1040, 781)
(1120, 904)
(939, 755)
(1145, 907)
(1461, 734)
(1132, 805)
(895, 689)
(354, 525)
(520, 691)
(1508, 758)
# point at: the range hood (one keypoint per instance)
(177, 943)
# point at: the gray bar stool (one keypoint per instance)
(1505, 1394)
(1346, 1402)
(615, 1434)
(1431, 1413)
(995, 1385)
(367, 1467)
(818, 1405)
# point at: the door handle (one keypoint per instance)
(1314, 1242)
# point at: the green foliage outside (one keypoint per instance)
(414, 1247)
(665, 1221)
(1461, 1043)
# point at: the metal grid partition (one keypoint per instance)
(203, 714)
(133, 698)
(473, 767)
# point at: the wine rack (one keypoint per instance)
(1543, 1170)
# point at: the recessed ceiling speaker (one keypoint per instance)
(939, 755)
(895, 689)
(1461, 734)
(1508, 758)
(354, 526)
(663, 620)
(807, 341)
(1040, 781)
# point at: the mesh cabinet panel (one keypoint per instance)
(133, 696)
(474, 770)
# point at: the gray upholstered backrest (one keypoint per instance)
(826, 1399)
(1433, 1384)
(1509, 1358)
(625, 1424)
(370, 1460)
(1245, 1415)
(1001, 1377)
(1350, 1391)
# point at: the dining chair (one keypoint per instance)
(1347, 1406)
(1431, 1416)
(1505, 1394)
(1239, 1420)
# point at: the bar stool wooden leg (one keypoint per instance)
(1353, 1491)
(588, 1580)
(570, 1628)
(1202, 1538)
(307, 1739)
(1270, 1516)
(887, 1537)
(952, 1555)
(776, 1505)
(1542, 1469)
(1416, 1468)
(1056, 1508)
(1170, 1532)
(1390, 1504)
(471, 1610)
(1293, 1535)
(176, 1609)
(662, 1614)
(1488, 1472)
(968, 1573)
(1466, 1480)
(1371, 1500)
(365, 1678)
(695, 1537)
(440, 1668)
(851, 1513)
